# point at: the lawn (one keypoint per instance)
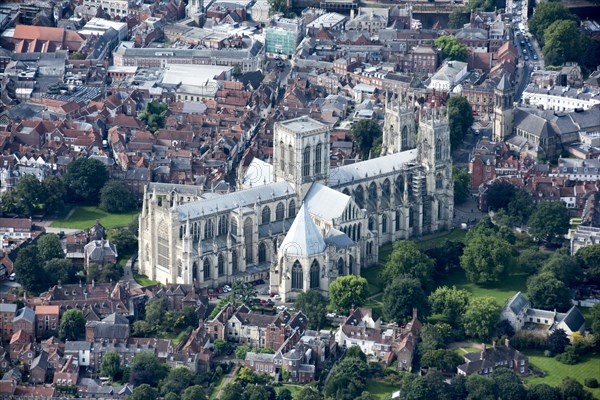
(294, 389)
(376, 304)
(438, 239)
(381, 390)
(85, 218)
(371, 274)
(144, 280)
(217, 387)
(514, 282)
(589, 367)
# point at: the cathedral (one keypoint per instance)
(300, 223)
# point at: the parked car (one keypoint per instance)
(12, 277)
(277, 297)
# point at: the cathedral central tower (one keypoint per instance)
(301, 153)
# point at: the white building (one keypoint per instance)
(518, 312)
(98, 26)
(312, 220)
(561, 98)
(448, 76)
(115, 8)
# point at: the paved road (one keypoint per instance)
(228, 378)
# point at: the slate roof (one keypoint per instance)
(517, 303)
(574, 319)
(26, 314)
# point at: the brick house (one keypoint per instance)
(7, 315)
(484, 362)
(47, 319)
(25, 321)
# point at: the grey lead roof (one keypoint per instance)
(231, 201)
(517, 303)
(369, 168)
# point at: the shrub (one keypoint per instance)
(569, 357)
(591, 382)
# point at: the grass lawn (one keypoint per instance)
(589, 367)
(381, 390)
(143, 280)
(510, 285)
(376, 304)
(85, 218)
(294, 389)
(371, 274)
(438, 239)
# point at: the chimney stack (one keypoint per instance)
(507, 342)
(483, 348)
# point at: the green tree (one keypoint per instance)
(509, 384)
(155, 312)
(242, 292)
(312, 304)
(116, 198)
(594, 320)
(547, 292)
(49, 247)
(486, 259)
(110, 365)
(364, 133)
(563, 42)
(55, 194)
(435, 336)
(481, 317)
(542, 391)
(285, 394)
(450, 302)
(309, 393)
(557, 341)
(481, 388)
(545, 14)
(144, 392)
(499, 195)
(460, 118)
(58, 269)
(195, 392)
(177, 380)
(549, 221)
(573, 390)
(565, 268)
(532, 259)
(221, 346)
(84, 179)
(27, 197)
(147, 369)
(154, 115)
(241, 351)
(347, 292)
(402, 296)
(451, 48)
(123, 239)
(441, 359)
(462, 185)
(232, 391)
(72, 325)
(347, 379)
(407, 259)
(278, 6)
(589, 257)
(520, 207)
(27, 267)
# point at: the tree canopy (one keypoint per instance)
(312, 304)
(27, 267)
(365, 132)
(486, 258)
(450, 302)
(545, 14)
(116, 198)
(460, 118)
(49, 247)
(154, 115)
(110, 365)
(147, 369)
(549, 221)
(72, 325)
(481, 317)
(348, 291)
(589, 257)
(452, 49)
(563, 42)
(407, 259)
(402, 296)
(84, 179)
(547, 292)
(462, 185)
